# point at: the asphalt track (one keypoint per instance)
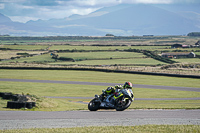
(63, 119)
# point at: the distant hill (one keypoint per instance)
(4, 19)
(139, 20)
(120, 20)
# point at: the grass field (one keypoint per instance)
(101, 55)
(188, 60)
(98, 51)
(90, 76)
(34, 59)
(62, 90)
(116, 129)
(134, 61)
(25, 47)
(67, 90)
(70, 90)
(8, 54)
(79, 47)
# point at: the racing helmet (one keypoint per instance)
(110, 90)
(128, 85)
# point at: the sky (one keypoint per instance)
(25, 10)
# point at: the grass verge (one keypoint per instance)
(68, 90)
(116, 129)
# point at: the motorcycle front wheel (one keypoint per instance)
(122, 103)
(93, 105)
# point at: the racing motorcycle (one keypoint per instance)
(124, 100)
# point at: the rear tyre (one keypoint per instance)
(93, 105)
(122, 104)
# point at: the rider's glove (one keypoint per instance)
(118, 86)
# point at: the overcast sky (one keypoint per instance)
(25, 10)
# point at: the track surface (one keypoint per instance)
(31, 119)
(61, 119)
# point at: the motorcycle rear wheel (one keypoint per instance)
(121, 104)
(93, 105)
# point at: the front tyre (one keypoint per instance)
(122, 104)
(93, 105)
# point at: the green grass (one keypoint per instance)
(49, 104)
(25, 47)
(47, 89)
(90, 76)
(197, 53)
(68, 90)
(136, 61)
(107, 58)
(8, 53)
(84, 58)
(165, 104)
(40, 59)
(188, 60)
(115, 129)
(100, 55)
(3, 104)
(71, 47)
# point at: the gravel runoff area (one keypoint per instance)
(64, 119)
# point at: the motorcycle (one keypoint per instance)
(121, 103)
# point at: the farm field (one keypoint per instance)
(136, 61)
(24, 47)
(194, 60)
(14, 53)
(118, 47)
(101, 55)
(122, 52)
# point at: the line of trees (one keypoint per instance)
(195, 34)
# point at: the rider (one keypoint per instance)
(111, 92)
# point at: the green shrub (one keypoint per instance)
(22, 53)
